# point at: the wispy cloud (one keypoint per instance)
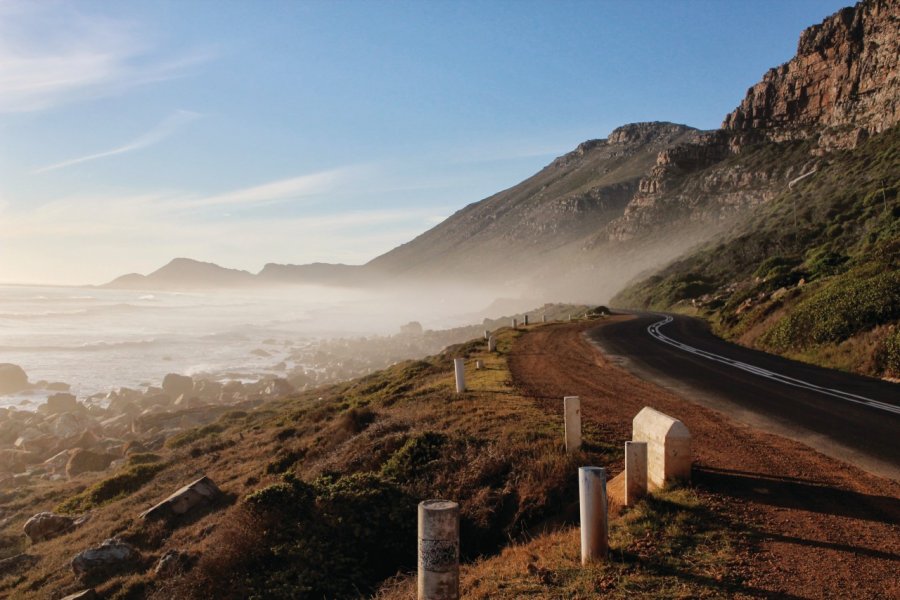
(163, 130)
(50, 54)
(275, 191)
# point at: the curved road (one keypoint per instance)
(853, 418)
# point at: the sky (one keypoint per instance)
(247, 132)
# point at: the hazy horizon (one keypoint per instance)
(133, 133)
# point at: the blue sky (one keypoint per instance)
(262, 131)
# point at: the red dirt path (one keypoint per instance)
(821, 528)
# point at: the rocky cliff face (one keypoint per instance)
(843, 83)
(841, 87)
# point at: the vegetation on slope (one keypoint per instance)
(812, 274)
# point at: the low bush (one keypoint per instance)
(126, 482)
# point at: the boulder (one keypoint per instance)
(57, 463)
(19, 562)
(12, 378)
(156, 400)
(85, 461)
(175, 385)
(16, 461)
(46, 526)
(65, 425)
(61, 403)
(110, 557)
(198, 493)
(58, 386)
(173, 562)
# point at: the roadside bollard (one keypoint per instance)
(438, 577)
(592, 506)
(543, 318)
(515, 323)
(572, 418)
(635, 472)
(459, 367)
(479, 365)
(492, 344)
(487, 334)
(525, 320)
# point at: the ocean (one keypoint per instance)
(100, 339)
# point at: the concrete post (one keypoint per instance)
(479, 365)
(487, 334)
(635, 472)
(592, 505)
(459, 367)
(492, 344)
(543, 318)
(515, 323)
(572, 416)
(438, 577)
(570, 318)
(526, 320)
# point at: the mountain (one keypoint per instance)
(812, 272)
(185, 273)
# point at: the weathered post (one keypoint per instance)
(592, 505)
(635, 472)
(544, 318)
(492, 344)
(438, 577)
(487, 334)
(515, 323)
(526, 320)
(570, 318)
(479, 365)
(572, 417)
(459, 367)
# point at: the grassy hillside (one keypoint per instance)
(320, 493)
(812, 274)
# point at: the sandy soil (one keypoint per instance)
(819, 528)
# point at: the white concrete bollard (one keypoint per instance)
(526, 320)
(438, 577)
(543, 318)
(487, 334)
(515, 323)
(572, 415)
(492, 344)
(479, 365)
(668, 446)
(570, 318)
(592, 506)
(459, 367)
(635, 472)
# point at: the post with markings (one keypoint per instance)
(438, 577)
(459, 367)
(572, 417)
(492, 344)
(635, 472)
(592, 506)
(479, 365)
(526, 320)
(487, 334)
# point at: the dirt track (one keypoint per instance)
(820, 528)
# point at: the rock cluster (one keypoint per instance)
(65, 437)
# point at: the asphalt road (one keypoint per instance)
(853, 418)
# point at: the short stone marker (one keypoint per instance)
(487, 334)
(593, 512)
(479, 365)
(543, 318)
(438, 572)
(572, 416)
(525, 318)
(459, 368)
(668, 446)
(635, 472)
(515, 323)
(492, 344)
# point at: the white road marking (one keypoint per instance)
(654, 331)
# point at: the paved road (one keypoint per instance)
(853, 418)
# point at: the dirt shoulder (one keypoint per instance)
(819, 528)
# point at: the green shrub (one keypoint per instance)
(889, 353)
(414, 456)
(192, 435)
(845, 307)
(332, 538)
(118, 486)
